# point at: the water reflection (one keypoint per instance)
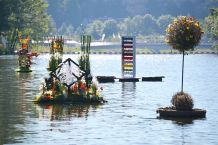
(23, 76)
(181, 121)
(63, 112)
(128, 88)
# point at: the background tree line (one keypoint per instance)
(211, 25)
(76, 12)
(139, 25)
(99, 18)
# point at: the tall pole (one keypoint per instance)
(183, 56)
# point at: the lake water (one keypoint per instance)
(129, 117)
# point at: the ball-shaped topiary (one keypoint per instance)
(184, 33)
(182, 101)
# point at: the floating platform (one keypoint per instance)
(71, 100)
(23, 70)
(153, 79)
(111, 79)
(128, 79)
(194, 113)
(106, 79)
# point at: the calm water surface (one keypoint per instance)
(129, 117)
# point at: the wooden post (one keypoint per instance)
(183, 56)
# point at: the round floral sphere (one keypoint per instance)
(184, 33)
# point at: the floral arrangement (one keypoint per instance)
(57, 45)
(53, 91)
(184, 33)
(24, 59)
(70, 82)
(56, 51)
(54, 61)
(24, 42)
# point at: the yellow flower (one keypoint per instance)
(196, 24)
(167, 40)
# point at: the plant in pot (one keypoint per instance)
(183, 34)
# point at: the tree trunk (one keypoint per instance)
(13, 41)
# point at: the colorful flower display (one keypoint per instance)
(70, 82)
(53, 91)
(24, 59)
(184, 33)
(56, 51)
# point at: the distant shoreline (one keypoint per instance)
(142, 53)
(139, 51)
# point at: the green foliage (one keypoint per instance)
(110, 27)
(95, 29)
(163, 21)
(53, 63)
(84, 61)
(78, 12)
(137, 25)
(182, 101)
(184, 33)
(211, 25)
(24, 18)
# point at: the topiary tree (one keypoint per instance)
(183, 34)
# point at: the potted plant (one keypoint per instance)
(183, 34)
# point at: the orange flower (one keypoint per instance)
(75, 88)
(82, 86)
(49, 97)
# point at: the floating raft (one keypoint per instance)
(128, 79)
(75, 100)
(23, 70)
(153, 79)
(194, 113)
(106, 79)
(111, 79)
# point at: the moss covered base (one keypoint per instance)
(23, 69)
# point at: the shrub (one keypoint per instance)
(182, 101)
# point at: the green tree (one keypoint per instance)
(150, 25)
(183, 34)
(95, 29)
(110, 27)
(52, 28)
(63, 29)
(70, 30)
(4, 14)
(163, 21)
(125, 26)
(211, 25)
(138, 22)
(24, 18)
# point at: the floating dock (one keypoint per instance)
(153, 79)
(106, 79)
(111, 79)
(128, 79)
